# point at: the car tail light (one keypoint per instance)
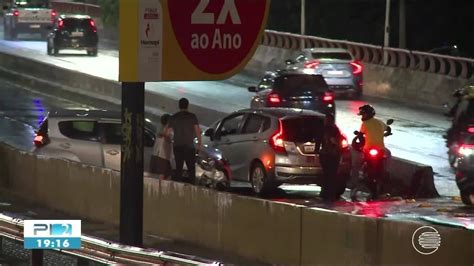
(16, 13)
(277, 140)
(328, 96)
(53, 16)
(373, 152)
(356, 68)
(466, 150)
(92, 23)
(344, 142)
(274, 98)
(39, 140)
(61, 24)
(311, 64)
(470, 129)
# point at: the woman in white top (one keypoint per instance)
(162, 151)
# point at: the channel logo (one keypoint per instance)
(426, 240)
(52, 234)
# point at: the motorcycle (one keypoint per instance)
(465, 170)
(212, 169)
(372, 174)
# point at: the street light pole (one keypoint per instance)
(303, 22)
(387, 30)
(402, 42)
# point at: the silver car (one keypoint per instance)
(342, 73)
(271, 146)
(87, 136)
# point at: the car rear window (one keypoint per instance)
(303, 129)
(332, 55)
(72, 24)
(32, 3)
(294, 83)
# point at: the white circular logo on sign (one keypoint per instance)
(426, 240)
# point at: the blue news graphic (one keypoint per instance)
(52, 234)
(61, 229)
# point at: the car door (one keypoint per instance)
(81, 139)
(111, 138)
(228, 139)
(253, 140)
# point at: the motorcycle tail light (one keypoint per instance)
(274, 98)
(373, 152)
(466, 150)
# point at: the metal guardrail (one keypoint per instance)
(458, 67)
(105, 252)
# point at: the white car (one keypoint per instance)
(88, 136)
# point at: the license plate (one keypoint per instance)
(77, 34)
(335, 72)
(308, 148)
(35, 26)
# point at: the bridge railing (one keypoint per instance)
(102, 251)
(457, 67)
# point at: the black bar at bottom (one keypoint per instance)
(37, 257)
(131, 184)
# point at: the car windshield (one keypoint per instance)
(32, 3)
(294, 84)
(303, 129)
(72, 24)
(332, 55)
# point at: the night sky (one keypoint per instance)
(429, 23)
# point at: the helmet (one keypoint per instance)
(367, 109)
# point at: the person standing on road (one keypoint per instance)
(160, 162)
(185, 127)
(330, 155)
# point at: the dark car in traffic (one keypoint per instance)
(78, 32)
(293, 89)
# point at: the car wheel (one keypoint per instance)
(467, 197)
(92, 52)
(259, 179)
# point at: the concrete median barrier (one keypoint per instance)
(396, 246)
(411, 179)
(24, 170)
(254, 228)
(331, 238)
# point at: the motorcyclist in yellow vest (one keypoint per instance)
(372, 128)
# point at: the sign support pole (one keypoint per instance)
(131, 174)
